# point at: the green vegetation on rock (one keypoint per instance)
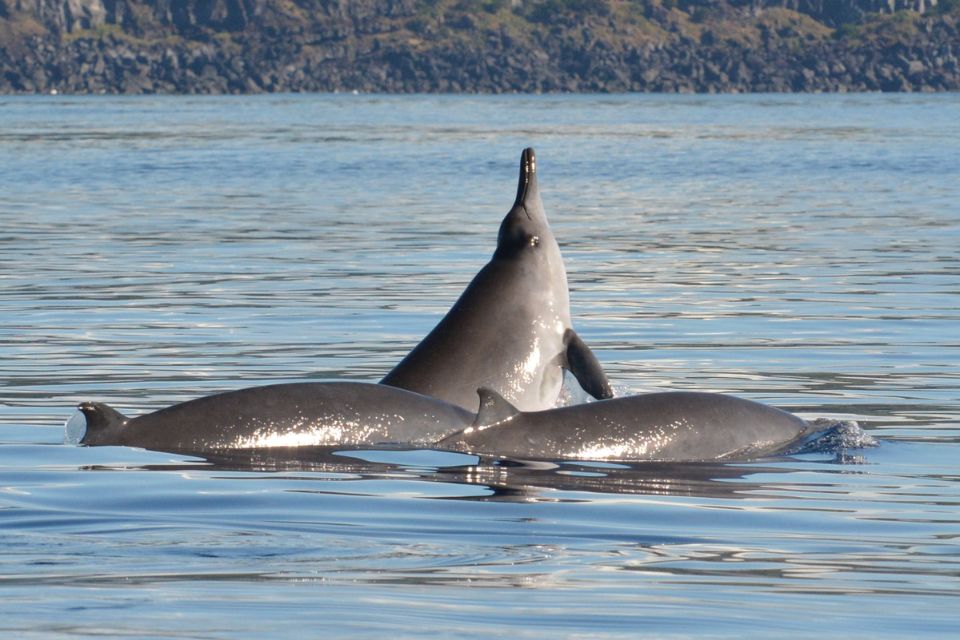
(216, 46)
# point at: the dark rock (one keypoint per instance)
(211, 46)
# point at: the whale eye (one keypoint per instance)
(534, 241)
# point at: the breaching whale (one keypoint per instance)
(671, 426)
(281, 415)
(510, 330)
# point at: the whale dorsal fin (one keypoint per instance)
(493, 408)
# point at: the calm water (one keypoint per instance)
(799, 250)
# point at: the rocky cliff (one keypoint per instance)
(236, 46)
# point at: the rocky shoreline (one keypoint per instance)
(253, 46)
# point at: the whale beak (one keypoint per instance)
(528, 193)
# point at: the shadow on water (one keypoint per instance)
(502, 479)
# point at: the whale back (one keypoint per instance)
(305, 414)
(673, 426)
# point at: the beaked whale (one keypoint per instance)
(281, 415)
(671, 427)
(510, 330)
(666, 427)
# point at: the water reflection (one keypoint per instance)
(798, 250)
(497, 479)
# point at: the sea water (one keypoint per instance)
(797, 250)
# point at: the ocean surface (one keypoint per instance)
(797, 250)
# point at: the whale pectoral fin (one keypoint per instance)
(494, 408)
(585, 367)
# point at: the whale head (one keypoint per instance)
(525, 231)
(104, 424)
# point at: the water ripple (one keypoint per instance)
(798, 250)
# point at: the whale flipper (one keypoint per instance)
(494, 409)
(585, 367)
(103, 422)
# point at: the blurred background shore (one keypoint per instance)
(488, 46)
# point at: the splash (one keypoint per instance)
(837, 437)
(74, 429)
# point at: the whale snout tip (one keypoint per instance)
(528, 162)
(527, 187)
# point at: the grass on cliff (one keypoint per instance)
(445, 24)
(883, 29)
(17, 28)
(619, 24)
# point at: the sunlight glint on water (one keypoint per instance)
(797, 250)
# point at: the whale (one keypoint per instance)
(681, 426)
(281, 415)
(663, 427)
(510, 330)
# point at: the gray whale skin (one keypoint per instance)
(681, 426)
(670, 426)
(281, 415)
(510, 330)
